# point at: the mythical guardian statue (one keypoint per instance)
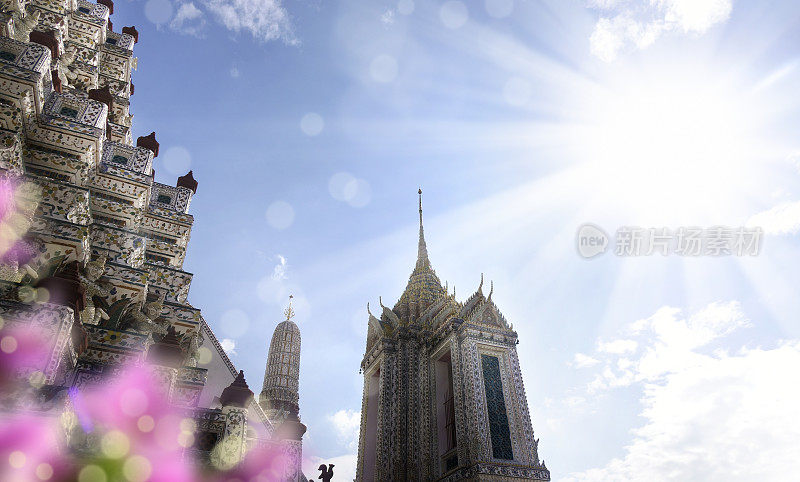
(136, 314)
(95, 291)
(24, 25)
(65, 73)
(190, 343)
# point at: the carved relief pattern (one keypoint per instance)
(76, 168)
(174, 198)
(524, 416)
(459, 386)
(52, 322)
(88, 112)
(231, 449)
(292, 453)
(137, 159)
(362, 429)
(29, 56)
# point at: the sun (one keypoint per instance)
(672, 144)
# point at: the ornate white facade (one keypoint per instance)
(443, 395)
(98, 265)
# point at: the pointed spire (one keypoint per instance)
(188, 182)
(237, 394)
(289, 312)
(167, 351)
(422, 249)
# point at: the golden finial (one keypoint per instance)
(289, 312)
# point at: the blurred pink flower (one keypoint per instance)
(22, 352)
(262, 464)
(31, 448)
(137, 425)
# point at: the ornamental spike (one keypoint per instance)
(289, 312)
(422, 249)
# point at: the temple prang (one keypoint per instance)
(443, 395)
(98, 265)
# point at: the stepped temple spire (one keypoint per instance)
(422, 249)
(424, 286)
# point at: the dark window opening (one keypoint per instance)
(451, 462)
(8, 56)
(69, 112)
(111, 41)
(99, 218)
(164, 199)
(119, 159)
(156, 258)
(205, 441)
(84, 10)
(50, 174)
(160, 238)
(496, 406)
(115, 199)
(450, 420)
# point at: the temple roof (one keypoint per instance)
(423, 287)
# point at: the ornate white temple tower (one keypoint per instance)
(279, 395)
(443, 394)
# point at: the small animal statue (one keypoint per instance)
(326, 472)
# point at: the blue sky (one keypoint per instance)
(310, 125)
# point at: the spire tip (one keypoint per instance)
(289, 312)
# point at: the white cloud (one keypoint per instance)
(279, 271)
(347, 424)
(265, 19)
(388, 17)
(583, 361)
(781, 219)
(626, 24)
(708, 414)
(617, 347)
(228, 345)
(276, 287)
(188, 20)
